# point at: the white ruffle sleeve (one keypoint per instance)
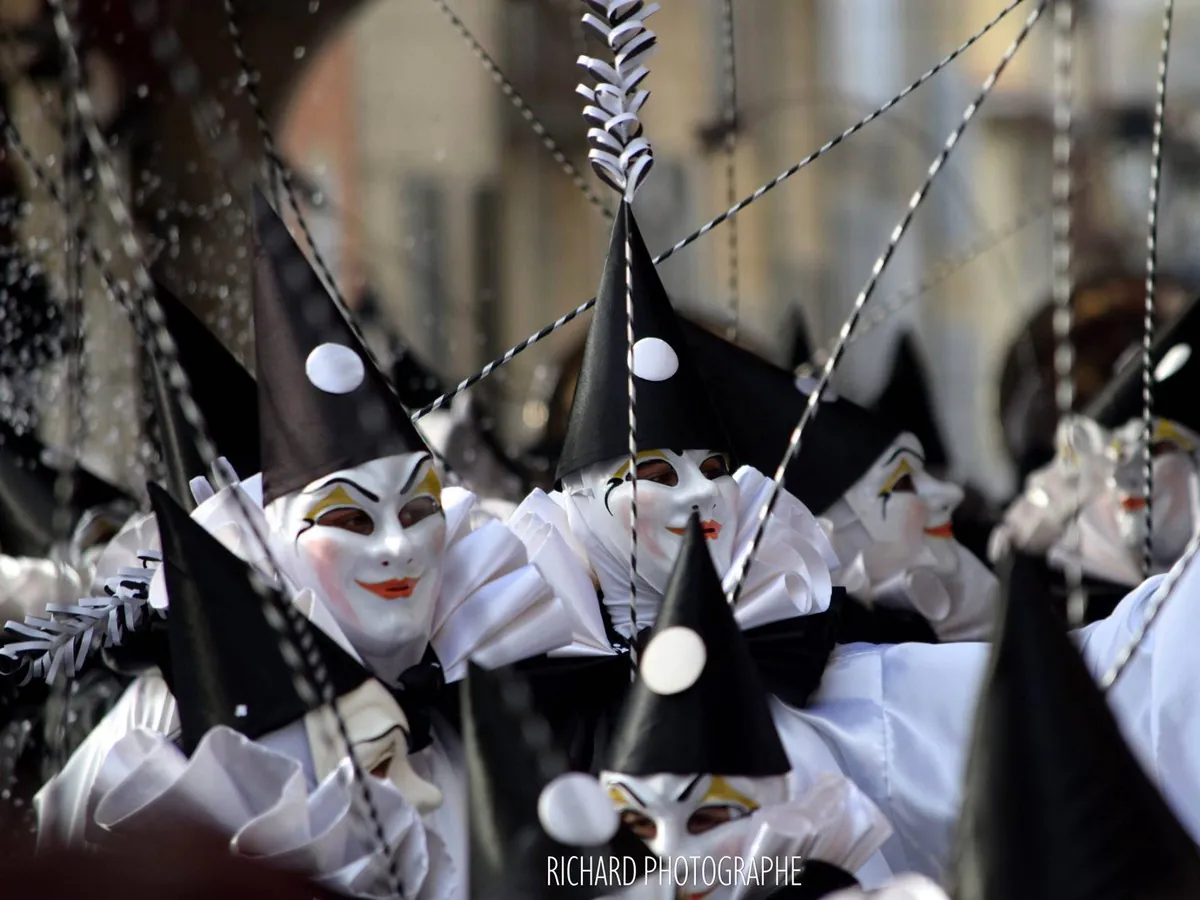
(260, 800)
(494, 606)
(790, 574)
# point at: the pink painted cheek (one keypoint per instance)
(327, 560)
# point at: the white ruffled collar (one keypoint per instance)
(790, 575)
(260, 800)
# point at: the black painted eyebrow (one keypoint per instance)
(691, 786)
(631, 792)
(416, 471)
(907, 450)
(358, 487)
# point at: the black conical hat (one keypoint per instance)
(721, 724)
(28, 502)
(1056, 805)
(760, 404)
(302, 340)
(907, 401)
(226, 664)
(1175, 358)
(673, 407)
(506, 774)
(222, 389)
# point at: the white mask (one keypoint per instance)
(670, 487)
(371, 540)
(1175, 450)
(893, 533)
(691, 815)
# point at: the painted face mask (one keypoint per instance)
(1175, 451)
(893, 533)
(671, 486)
(1081, 467)
(371, 539)
(691, 815)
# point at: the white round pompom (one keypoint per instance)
(335, 369)
(574, 810)
(1173, 360)
(654, 360)
(673, 661)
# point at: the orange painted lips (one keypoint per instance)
(1133, 504)
(395, 589)
(711, 530)
(945, 531)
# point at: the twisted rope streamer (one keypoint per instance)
(731, 123)
(633, 475)
(1061, 287)
(1160, 108)
(865, 294)
(514, 97)
(546, 331)
(164, 346)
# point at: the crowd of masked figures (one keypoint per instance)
(399, 677)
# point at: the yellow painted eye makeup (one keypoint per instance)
(641, 456)
(903, 468)
(430, 484)
(337, 497)
(721, 791)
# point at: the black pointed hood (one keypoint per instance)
(222, 389)
(1175, 357)
(323, 404)
(721, 724)
(674, 410)
(506, 774)
(1056, 805)
(907, 401)
(226, 664)
(27, 495)
(760, 404)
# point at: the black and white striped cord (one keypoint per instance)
(546, 331)
(1160, 108)
(633, 474)
(509, 90)
(865, 294)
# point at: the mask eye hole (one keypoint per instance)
(1163, 448)
(641, 825)
(905, 485)
(380, 769)
(706, 818)
(658, 471)
(348, 519)
(418, 510)
(716, 466)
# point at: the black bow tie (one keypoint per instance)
(418, 692)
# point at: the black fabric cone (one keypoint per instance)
(27, 495)
(760, 404)
(1175, 361)
(222, 389)
(721, 724)
(511, 852)
(227, 667)
(675, 413)
(306, 432)
(1056, 806)
(907, 401)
